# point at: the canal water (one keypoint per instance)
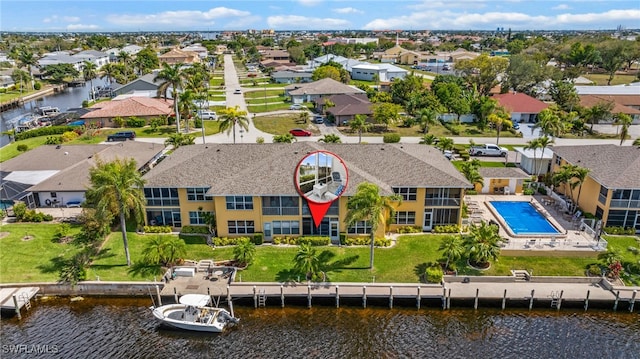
(124, 328)
(71, 97)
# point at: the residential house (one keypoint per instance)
(290, 77)
(261, 196)
(60, 57)
(523, 108)
(312, 91)
(611, 190)
(178, 56)
(131, 50)
(144, 83)
(627, 104)
(53, 175)
(202, 51)
(275, 55)
(383, 72)
(345, 107)
(98, 58)
(501, 180)
(105, 112)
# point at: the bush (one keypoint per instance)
(37, 86)
(594, 270)
(22, 147)
(258, 238)
(135, 122)
(391, 138)
(53, 140)
(157, 229)
(619, 230)
(528, 191)
(450, 228)
(44, 131)
(194, 230)
(434, 274)
(471, 192)
(365, 241)
(228, 241)
(23, 214)
(119, 121)
(542, 190)
(410, 229)
(259, 139)
(343, 238)
(313, 240)
(69, 136)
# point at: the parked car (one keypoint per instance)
(318, 119)
(516, 126)
(237, 92)
(296, 106)
(207, 115)
(122, 136)
(488, 150)
(300, 132)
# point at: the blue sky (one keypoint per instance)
(178, 15)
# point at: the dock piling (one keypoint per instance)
(475, 302)
(308, 296)
(391, 297)
(449, 299)
(418, 298)
(504, 299)
(615, 304)
(15, 303)
(255, 297)
(158, 296)
(337, 296)
(560, 299)
(632, 301)
(533, 292)
(175, 294)
(282, 295)
(364, 296)
(586, 301)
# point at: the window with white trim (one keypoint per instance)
(285, 227)
(196, 194)
(405, 217)
(197, 217)
(407, 193)
(360, 227)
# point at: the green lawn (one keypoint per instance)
(11, 150)
(438, 130)
(38, 259)
(35, 260)
(268, 108)
(262, 94)
(601, 79)
(281, 124)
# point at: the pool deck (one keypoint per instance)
(570, 238)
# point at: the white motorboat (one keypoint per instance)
(194, 312)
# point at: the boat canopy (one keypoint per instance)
(196, 300)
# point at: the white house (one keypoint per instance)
(385, 72)
(99, 58)
(537, 162)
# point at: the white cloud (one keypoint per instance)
(56, 18)
(561, 7)
(177, 19)
(71, 18)
(489, 20)
(465, 4)
(309, 2)
(348, 10)
(294, 22)
(242, 23)
(81, 27)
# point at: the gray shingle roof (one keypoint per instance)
(326, 86)
(268, 169)
(612, 166)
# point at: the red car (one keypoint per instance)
(299, 132)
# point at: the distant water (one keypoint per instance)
(71, 97)
(124, 328)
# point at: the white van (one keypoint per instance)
(207, 115)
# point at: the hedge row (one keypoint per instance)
(44, 131)
(365, 241)
(157, 229)
(313, 240)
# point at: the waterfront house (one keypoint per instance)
(58, 175)
(178, 56)
(143, 83)
(611, 190)
(250, 188)
(98, 58)
(142, 107)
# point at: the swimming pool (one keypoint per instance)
(523, 218)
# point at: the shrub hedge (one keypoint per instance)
(157, 229)
(44, 131)
(194, 230)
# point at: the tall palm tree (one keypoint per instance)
(623, 120)
(368, 205)
(232, 116)
(186, 106)
(483, 244)
(452, 247)
(580, 175)
(125, 59)
(426, 118)
(109, 70)
(89, 73)
(549, 122)
(173, 77)
(499, 120)
(543, 143)
(360, 124)
(306, 260)
(445, 143)
(533, 145)
(27, 58)
(116, 190)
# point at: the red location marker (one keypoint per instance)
(321, 177)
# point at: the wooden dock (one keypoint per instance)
(15, 298)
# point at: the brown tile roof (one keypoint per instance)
(502, 172)
(618, 107)
(520, 102)
(326, 86)
(75, 177)
(132, 106)
(612, 166)
(268, 169)
(346, 105)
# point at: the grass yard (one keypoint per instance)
(11, 150)
(269, 107)
(281, 124)
(618, 79)
(261, 94)
(37, 259)
(438, 130)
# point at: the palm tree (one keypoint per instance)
(483, 244)
(232, 116)
(284, 138)
(636, 142)
(452, 247)
(426, 118)
(428, 139)
(116, 190)
(445, 143)
(543, 143)
(244, 252)
(499, 120)
(624, 120)
(20, 76)
(186, 106)
(580, 175)
(164, 250)
(173, 77)
(306, 260)
(125, 58)
(26, 58)
(549, 122)
(368, 205)
(109, 70)
(330, 138)
(89, 72)
(180, 139)
(533, 145)
(360, 124)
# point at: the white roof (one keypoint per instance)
(365, 66)
(608, 90)
(196, 300)
(548, 153)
